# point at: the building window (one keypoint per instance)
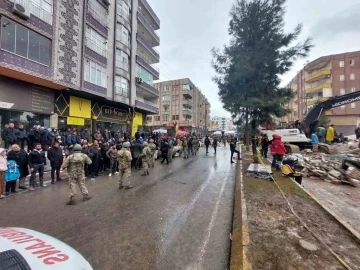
(121, 86)
(96, 74)
(146, 76)
(43, 9)
(157, 118)
(341, 63)
(166, 98)
(353, 105)
(98, 12)
(175, 117)
(165, 117)
(149, 118)
(352, 62)
(122, 35)
(353, 90)
(122, 60)
(123, 9)
(342, 107)
(166, 89)
(342, 78)
(342, 91)
(24, 42)
(352, 76)
(95, 41)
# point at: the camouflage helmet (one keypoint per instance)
(151, 141)
(145, 144)
(77, 147)
(126, 145)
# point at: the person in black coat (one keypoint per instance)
(164, 152)
(43, 137)
(10, 136)
(207, 144)
(21, 158)
(96, 159)
(21, 136)
(215, 144)
(85, 135)
(55, 155)
(33, 138)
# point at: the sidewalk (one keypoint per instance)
(267, 235)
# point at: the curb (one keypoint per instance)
(240, 230)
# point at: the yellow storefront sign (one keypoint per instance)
(75, 121)
(137, 121)
(80, 107)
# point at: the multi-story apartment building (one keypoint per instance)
(78, 63)
(182, 106)
(326, 77)
(221, 124)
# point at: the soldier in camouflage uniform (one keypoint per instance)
(75, 164)
(153, 147)
(171, 148)
(195, 146)
(185, 147)
(146, 156)
(124, 160)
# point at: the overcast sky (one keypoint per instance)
(190, 28)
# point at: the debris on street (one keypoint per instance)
(342, 168)
(259, 171)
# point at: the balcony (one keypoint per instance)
(147, 89)
(148, 31)
(319, 75)
(147, 46)
(187, 93)
(36, 10)
(146, 105)
(152, 14)
(187, 103)
(97, 16)
(187, 112)
(154, 71)
(314, 101)
(318, 88)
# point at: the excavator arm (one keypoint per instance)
(312, 118)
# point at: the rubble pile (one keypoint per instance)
(335, 169)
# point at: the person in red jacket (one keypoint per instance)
(278, 151)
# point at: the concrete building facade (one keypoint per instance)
(326, 77)
(221, 124)
(181, 104)
(96, 53)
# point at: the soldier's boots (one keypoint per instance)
(86, 197)
(71, 201)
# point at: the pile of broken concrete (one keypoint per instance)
(336, 169)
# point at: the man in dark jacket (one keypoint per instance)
(164, 150)
(233, 150)
(3, 134)
(55, 155)
(215, 144)
(37, 162)
(137, 150)
(10, 136)
(21, 135)
(107, 135)
(85, 135)
(207, 144)
(43, 137)
(33, 138)
(265, 146)
(21, 158)
(96, 159)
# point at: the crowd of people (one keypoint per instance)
(111, 152)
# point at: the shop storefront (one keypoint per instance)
(106, 117)
(25, 104)
(73, 112)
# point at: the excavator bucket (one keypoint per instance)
(292, 149)
(328, 149)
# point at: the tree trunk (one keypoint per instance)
(247, 134)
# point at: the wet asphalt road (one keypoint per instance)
(179, 217)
